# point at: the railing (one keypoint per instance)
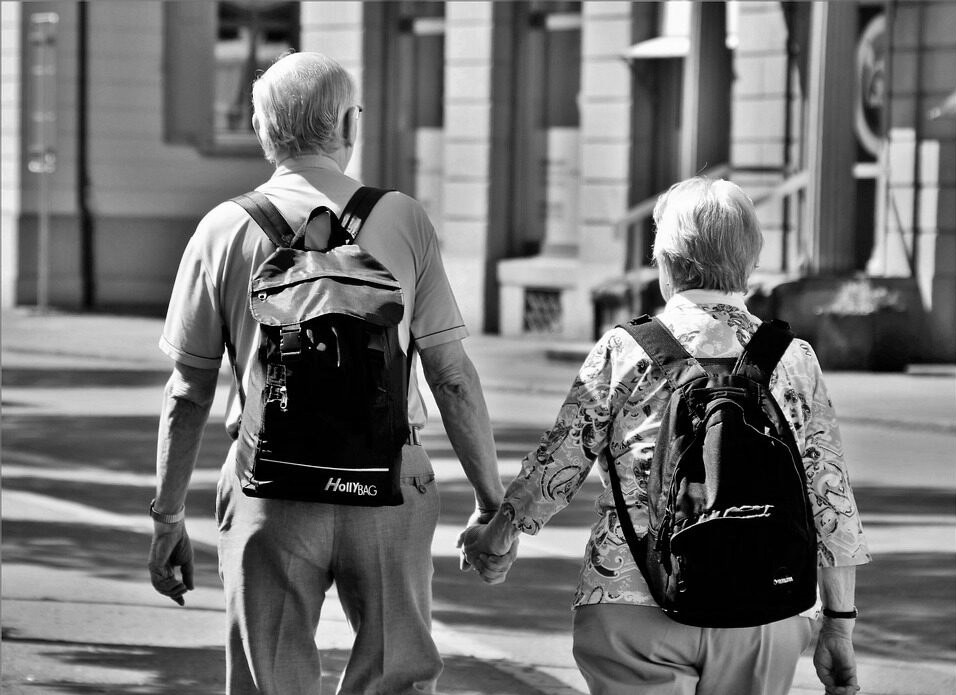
(632, 225)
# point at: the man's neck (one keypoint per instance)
(340, 156)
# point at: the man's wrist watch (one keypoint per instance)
(840, 615)
(166, 518)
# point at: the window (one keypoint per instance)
(213, 52)
(250, 36)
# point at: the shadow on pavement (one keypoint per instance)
(65, 667)
(907, 600)
(82, 378)
(52, 668)
(97, 551)
(115, 443)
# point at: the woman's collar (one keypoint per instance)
(689, 298)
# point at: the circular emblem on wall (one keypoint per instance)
(871, 85)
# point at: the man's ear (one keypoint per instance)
(350, 127)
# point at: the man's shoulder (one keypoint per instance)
(225, 215)
(401, 205)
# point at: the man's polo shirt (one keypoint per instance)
(210, 298)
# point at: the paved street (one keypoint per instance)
(80, 402)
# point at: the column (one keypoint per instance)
(605, 153)
(11, 135)
(337, 30)
(463, 229)
(831, 144)
(705, 135)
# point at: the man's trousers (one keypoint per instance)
(637, 650)
(278, 559)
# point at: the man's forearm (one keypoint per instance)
(465, 416)
(187, 400)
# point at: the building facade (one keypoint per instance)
(536, 134)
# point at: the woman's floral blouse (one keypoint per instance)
(613, 412)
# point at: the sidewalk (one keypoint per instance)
(69, 629)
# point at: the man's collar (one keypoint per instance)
(307, 161)
(692, 298)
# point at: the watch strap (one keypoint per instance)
(840, 615)
(166, 518)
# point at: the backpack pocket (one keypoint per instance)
(738, 567)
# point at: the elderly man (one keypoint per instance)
(707, 245)
(279, 557)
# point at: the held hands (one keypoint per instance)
(834, 659)
(171, 548)
(485, 547)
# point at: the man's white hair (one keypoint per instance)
(708, 235)
(298, 104)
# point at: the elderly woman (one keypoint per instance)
(707, 245)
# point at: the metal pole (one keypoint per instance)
(42, 160)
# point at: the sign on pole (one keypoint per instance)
(42, 152)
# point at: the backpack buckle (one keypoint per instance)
(290, 343)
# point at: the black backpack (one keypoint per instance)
(327, 412)
(731, 540)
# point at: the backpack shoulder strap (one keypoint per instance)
(662, 346)
(267, 216)
(763, 352)
(357, 210)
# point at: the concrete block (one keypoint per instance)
(946, 170)
(467, 160)
(467, 120)
(601, 202)
(604, 247)
(605, 37)
(928, 207)
(511, 310)
(944, 253)
(466, 199)
(902, 155)
(939, 68)
(748, 76)
(460, 237)
(759, 118)
(608, 9)
(946, 210)
(605, 79)
(905, 71)
(538, 271)
(344, 43)
(929, 152)
(467, 13)
(467, 82)
(467, 279)
(468, 42)
(760, 27)
(332, 13)
(903, 110)
(939, 24)
(605, 162)
(942, 319)
(943, 129)
(577, 314)
(905, 27)
(605, 120)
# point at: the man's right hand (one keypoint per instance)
(171, 549)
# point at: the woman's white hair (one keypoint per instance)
(708, 236)
(298, 104)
